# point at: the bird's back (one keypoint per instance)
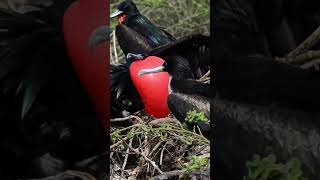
(155, 35)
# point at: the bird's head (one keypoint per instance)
(124, 10)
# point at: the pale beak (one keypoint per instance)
(99, 35)
(135, 56)
(152, 70)
(115, 14)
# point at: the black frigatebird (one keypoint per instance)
(120, 81)
(129, 15)
(137, 35)
(185, 53)
(249, 82)
(244, 71)
(185, 93)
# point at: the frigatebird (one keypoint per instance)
(244, 71)
(264, 106)
(129, 15)
(185, 93)
(184, 56)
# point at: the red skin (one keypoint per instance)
(152, 88)
(121, 19)
(92, 66)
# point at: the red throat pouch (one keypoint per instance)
(121, 19)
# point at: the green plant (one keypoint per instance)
(267, 169)
(165, 133)
(196, 163)
(194, 116)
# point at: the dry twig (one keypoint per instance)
(306, 44)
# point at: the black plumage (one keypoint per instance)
(183, 57)
(135, 35)
(242, 130)
(14, 62)
(142, 25)
(130, 41)
(244, 68)
(121, 85)
(264, 106)
(193, 48)
(180, 104)
(44, 108)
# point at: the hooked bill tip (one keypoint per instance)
(115, 14)
(151, 70)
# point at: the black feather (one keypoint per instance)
(130, 41)
(22, 69)
(119, 78)
(194, 48)
(142, 25)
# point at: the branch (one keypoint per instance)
(306, 44)
(168, 174)
(69, 174)
(302, 58)
(146, 158)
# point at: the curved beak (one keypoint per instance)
(135, 56)
(152, 70)
(99, 35)
(115, 14)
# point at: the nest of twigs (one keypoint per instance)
(157, 149)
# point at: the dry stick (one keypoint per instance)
(168, 174)
(306, 44)
(114, 46)
(127, 118)
(302, 58)
(146, 148)
(205, 76)
(161, 155)
(205, 80)
(126, 158)
(118, 143)
(199, 130)
(146, 158)
(155, 148)
(310, 64)
(111, 154)
(164, 120)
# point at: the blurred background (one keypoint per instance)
(178, 17)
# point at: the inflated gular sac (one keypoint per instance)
(92, 67)
(153, 87)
